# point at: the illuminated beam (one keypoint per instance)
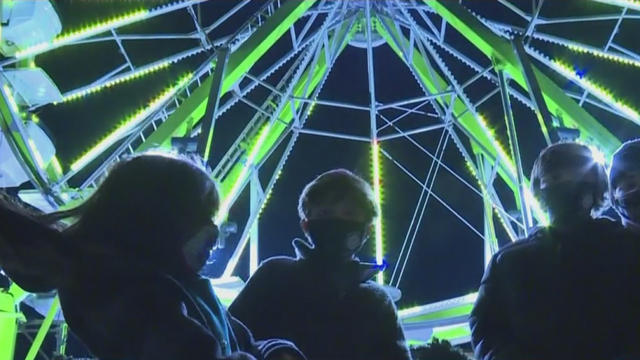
(377, 192)
(500, 50)
(43, 330)
(102, 26)
(139, 72)
(261, 145)
(540, 106)
(596, 90)
(476, 126)
(623, 59)
(453, 333)
(375, 145)
(240, 61)
(127, 125)
(587, 49)
(631, 4)
(22, 147)
(250, 162)
(434, 84)
(490, 239)
(10, 316)
(309, 84)
(56, 165)
(485, 183)
(447, 320)
(205, 140)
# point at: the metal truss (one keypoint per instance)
(511, 65)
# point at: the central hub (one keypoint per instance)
(359, 38)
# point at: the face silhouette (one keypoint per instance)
(626, 196)
(198, 248)
(343, 210)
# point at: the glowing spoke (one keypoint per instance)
(128, 125)
(118, 80)
(597, 90)
(631, 4)
(228, 198)
(82, 33)
(377, 191)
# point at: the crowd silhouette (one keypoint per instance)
(125, 264)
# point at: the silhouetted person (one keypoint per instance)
(323, 300)
(126, 271)
(437, 350)
(569, 290)
(624, 183)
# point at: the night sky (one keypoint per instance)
(447, 257)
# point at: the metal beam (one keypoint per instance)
(412, 132)
(126, 19)
(435, 196)
(239, 63)
(515, 152)
(421, 205)
(308, 84)
(113, 79)
(495, 47)
(256, 200)
(22, 147)
(621, 3)
(332, 134)
(490, 239)
(188, 105)
(542, 111)
(303, 88)
(44, 329)
(434, 83)
(205, 141)
(421, 99)
(375, 146)
(463, 116)
(10, 316)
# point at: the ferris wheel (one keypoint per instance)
(272, 58)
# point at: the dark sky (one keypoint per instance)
(447, 258)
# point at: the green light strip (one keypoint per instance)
(499, 49)
(9, 315)
(377, 191)
(420, 311)
(304, 88)
(502, 154)
(12, 100)
(240, 61)
(118, 80)
(539, 213)
(82, 33)
(56, 165)
(36, 154)
(223, 212)
(631, 4)
(597, 90)
(587, 49)
(485, 193)
(603, 54)
(472, 123)
(128, 124)
(44, 329)
(452, 332)
(597, 154)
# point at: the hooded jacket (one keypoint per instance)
(331, 311)
(120, 308)
(561, 294)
